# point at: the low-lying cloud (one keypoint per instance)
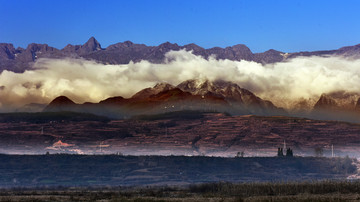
(284, 83)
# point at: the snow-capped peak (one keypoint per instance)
(159, 87)
(226, 89)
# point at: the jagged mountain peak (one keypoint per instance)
(92, 44)
(228, 90)
(325, 102)
(341, 100)
(203, 85)
(92, 39)
(7, 51)
(163, 85)
(158, 88)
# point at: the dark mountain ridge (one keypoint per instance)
(19, 59)
(209, 96)
(340, 105)
(220, 96)
(340, 100)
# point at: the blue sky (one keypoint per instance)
(285, 25)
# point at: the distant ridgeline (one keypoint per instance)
(21, 59)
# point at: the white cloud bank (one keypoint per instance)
(283, 83)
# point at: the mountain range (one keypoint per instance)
(188, 95)
(207, 96)
(20, 59)
(339, 101)
(202, 95)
